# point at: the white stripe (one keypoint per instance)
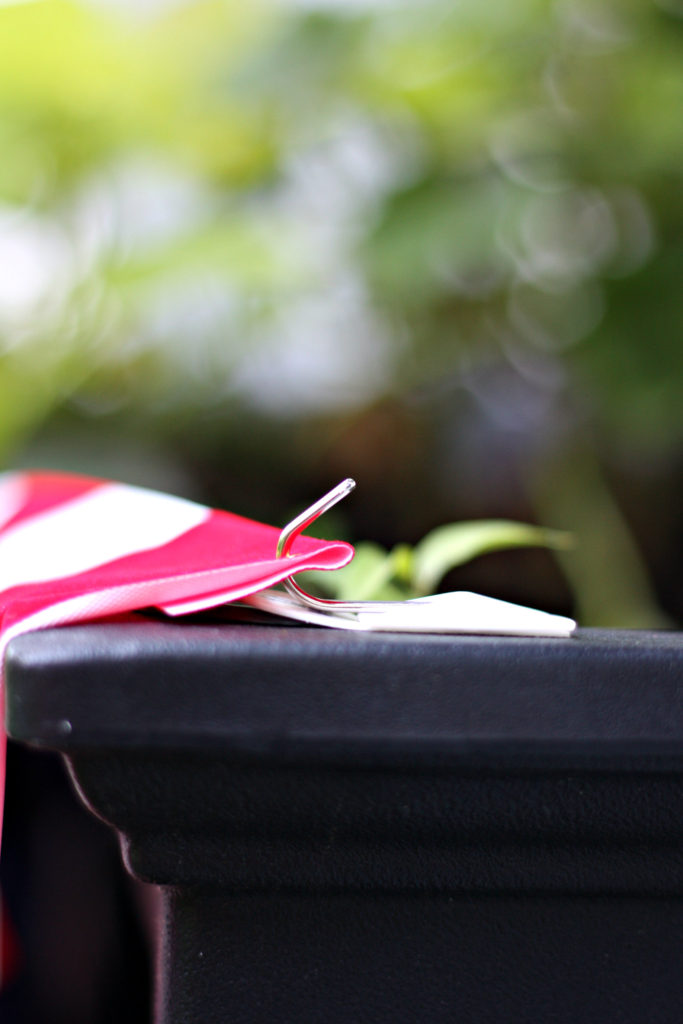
(109, 522)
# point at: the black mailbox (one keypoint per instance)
(382, 828)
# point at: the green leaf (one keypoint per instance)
(449, 546)
(369, 577)
(362, 579)
(403, 565)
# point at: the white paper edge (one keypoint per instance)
(458, 612)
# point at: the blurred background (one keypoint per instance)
(248, 249)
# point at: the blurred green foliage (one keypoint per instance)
(255, 228)
(407, 572)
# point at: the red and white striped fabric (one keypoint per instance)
(73, 548)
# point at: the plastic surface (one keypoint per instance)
(382, 828)
(284, 689)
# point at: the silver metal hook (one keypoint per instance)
(292, 530)
(460, 612)
(348, 609)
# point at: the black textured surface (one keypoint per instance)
(406, 959)
(384, 828)
(277, 692)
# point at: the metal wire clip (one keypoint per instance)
(460, 612)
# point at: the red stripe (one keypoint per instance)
(48, 490)
(244, 550)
